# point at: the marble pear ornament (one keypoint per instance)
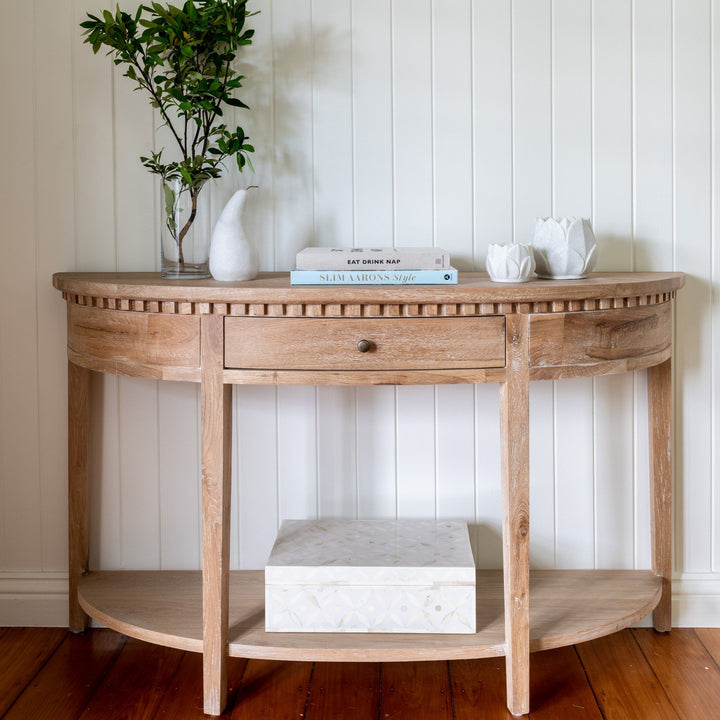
(232, 256)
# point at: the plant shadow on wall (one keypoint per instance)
(299, 58)
(184, 58)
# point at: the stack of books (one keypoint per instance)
(373, 266)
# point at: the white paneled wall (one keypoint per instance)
(376, 122)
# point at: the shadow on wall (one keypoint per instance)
(280, 93)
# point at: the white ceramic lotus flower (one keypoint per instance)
(565, 248)
(510, 263)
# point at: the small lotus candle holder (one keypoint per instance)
(565, 248)
(513, 263)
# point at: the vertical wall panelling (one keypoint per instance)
(293, 130)
(372, 122)
(178, 470)
(20, 491)
(255, 483)
(139, 478)
(334, 224)
(455, 454)
(95, 241)
(416, 452)
(96, 248)
(414, 221)
(452, 128)
(297, 452)
(104, 470)
(337, 460)
(693, 204)
(487, 529)
(492, 145)
(412, 122)
(532, 114)
(55, 241)
(55, 233)
(715, 440)
(453, 197)
(135, 227)
(543, 511)
(376, 452)
(492, 141)
(572, 195)
(256, 64)
(375, 122)
(652, 198)
(612, 222)
(652, 135)
(372, 96)
(332, 122)
(135, 188)
(641, 543)
(532, 197)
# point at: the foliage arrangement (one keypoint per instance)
(183, 57)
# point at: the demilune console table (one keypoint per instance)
(268, 332)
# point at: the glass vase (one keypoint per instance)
(185, 231)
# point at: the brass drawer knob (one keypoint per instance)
(364, 346)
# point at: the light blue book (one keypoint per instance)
(374, 277)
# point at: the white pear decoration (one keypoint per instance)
(565, 248)
(232, 255)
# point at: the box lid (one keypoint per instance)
(371, 553)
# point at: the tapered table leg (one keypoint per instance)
(78, 506)
(514, 420)
(660, 427)
(216, 455)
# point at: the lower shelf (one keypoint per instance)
(566, 607)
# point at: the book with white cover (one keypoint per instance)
(388, 258)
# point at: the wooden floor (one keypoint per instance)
(635, 674)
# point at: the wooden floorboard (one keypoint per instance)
(415, 690)
(184, 696)
(624, 685)
(62, 689)
(685, 669)
(100, 675)
(710, 638)
(24, 652)
(273, 690)
(136, 684)
(360, 696)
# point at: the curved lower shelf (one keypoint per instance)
(567, 606)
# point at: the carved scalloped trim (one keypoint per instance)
(374, 310)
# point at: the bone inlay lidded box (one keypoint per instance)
(407, 576)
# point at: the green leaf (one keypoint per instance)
(186, 176)
(236, 103)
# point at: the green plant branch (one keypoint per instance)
(183, 57)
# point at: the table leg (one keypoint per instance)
(78, 506)
(514, 421)
(660, 427)
(216, 457)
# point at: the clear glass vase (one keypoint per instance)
(185, 231)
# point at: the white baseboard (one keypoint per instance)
(40, 600)
(696, 600)
(33, 599)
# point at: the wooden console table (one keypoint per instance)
(267, 332)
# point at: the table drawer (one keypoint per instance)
(364, 343)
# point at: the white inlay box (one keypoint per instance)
(406, 576)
